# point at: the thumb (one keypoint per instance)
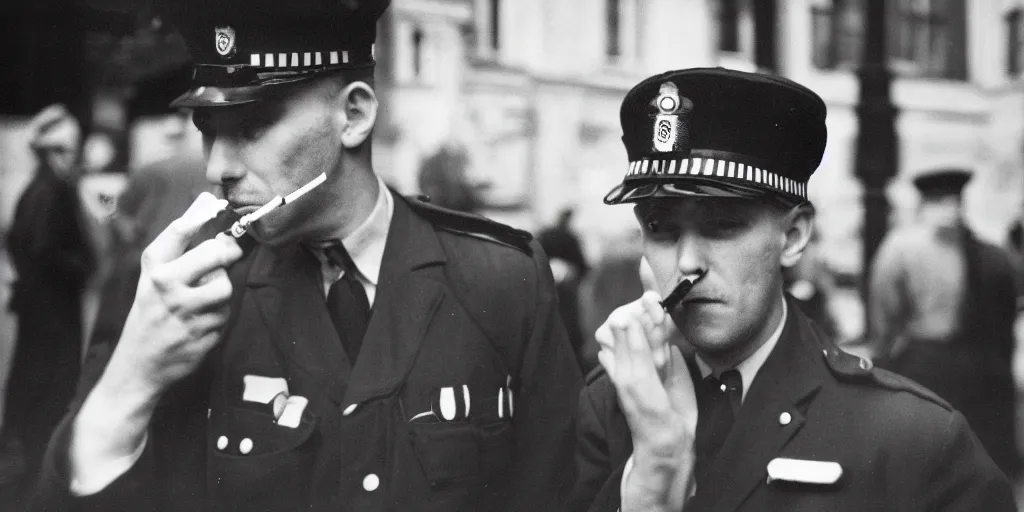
(679, 387)
(173, 241)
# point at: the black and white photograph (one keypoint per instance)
(512, 255)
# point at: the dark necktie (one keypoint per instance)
(347, 302)
(718, 400)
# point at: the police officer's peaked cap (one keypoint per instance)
(939, 182)
(719, 132)
(245, 50)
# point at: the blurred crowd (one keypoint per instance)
(77, 237)
(944, 306)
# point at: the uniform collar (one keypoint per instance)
(749, 367)
(366, 243)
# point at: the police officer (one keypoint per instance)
(768, 414)
(371, 353)
(943, 306)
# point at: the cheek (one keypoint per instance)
(752, 269)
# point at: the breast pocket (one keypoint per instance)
(256, 464)
(456, 452)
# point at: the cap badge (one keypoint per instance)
(224, 41)
(671, 124)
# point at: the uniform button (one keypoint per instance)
(245, 446)
(349, 410)
(371, 482)
(723, 388)
(222, 442)
(785, 418)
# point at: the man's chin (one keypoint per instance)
(265, 236)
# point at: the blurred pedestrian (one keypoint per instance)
(768, 414)
(53, 262)
(613, 281)
(569, 267)
(167, 174)
(942, 308)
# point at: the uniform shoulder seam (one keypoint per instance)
(472, 225)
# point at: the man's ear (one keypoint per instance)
(360, 104)
(798, 226)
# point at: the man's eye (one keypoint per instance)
(659, 227)
(723, 225)
(253, 128)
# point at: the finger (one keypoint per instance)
(679, 386)
(607, 360)
(654, 328)
(189, 300)
(604, 337)
(203, 324)
(622, 314)
(620, 349)
(208, 256)
(651, 303)
(171, 242)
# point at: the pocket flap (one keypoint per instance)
(448, 452)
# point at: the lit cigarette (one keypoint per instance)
(241, 226)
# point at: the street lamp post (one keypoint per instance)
(876, 158)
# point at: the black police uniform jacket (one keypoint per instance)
(452, 311)
(900, 447)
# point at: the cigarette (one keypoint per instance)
(241, 226)
(677, 294)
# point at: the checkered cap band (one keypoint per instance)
(716, 169)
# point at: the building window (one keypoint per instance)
(622, 25)
(929, 38)
(1013, 42)
(413, 54)
(926, 37)
(613, 19)
(729, 25)
(417, 52)
(837, 32)
(495, 25)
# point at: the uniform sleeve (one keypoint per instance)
(591, 461)
(965, 478)
(885, 298)
(545, 409)
(53, 488)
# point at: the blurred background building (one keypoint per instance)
(530, 90)
(510, 107)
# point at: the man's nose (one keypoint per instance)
(222, 163)
(689, 254)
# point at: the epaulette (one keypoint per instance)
(857, 370)
(472, 225)
(593, 375)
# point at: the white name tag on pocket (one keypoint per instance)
(811, 472)
(263, 389)
(292, 414)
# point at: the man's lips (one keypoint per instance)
(244, 209)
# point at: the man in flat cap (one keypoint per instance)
(370, 353)
(943, 306)
(768, 414)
